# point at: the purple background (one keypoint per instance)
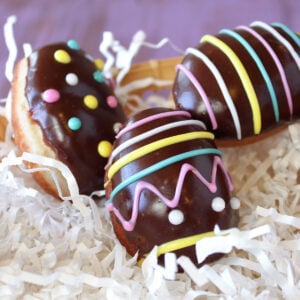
(183, 21)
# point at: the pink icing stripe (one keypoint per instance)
(277, 62)
(185, 168)
(202, 93)
(152, 118)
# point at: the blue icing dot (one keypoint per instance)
(74, 123)
(98, 76)
(73, 44)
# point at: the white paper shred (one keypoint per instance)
(66, 249)
(11, 44)
(119, 57)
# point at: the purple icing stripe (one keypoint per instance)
(202, 93)
(152, 118)
(277, 62)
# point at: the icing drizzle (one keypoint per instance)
(222, 86)
(277, 63)
(185, 169)
(282, 37)
(138, 177)
(260, 66)
(201, 92)
(76, 108)
(142, 151)
(181, 243)
(242, 72)
(150, 133)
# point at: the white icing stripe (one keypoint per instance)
(152, 132)
(289, 32)
(151, 118)
(277, 62)
(222, 86)
(279, 37)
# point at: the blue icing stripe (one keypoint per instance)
(162, 164)
(260, 66)
(289, 32)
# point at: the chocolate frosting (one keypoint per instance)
(268, 68)
(142, 210)
(76, 108)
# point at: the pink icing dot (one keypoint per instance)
(50, 95)
(112, 101)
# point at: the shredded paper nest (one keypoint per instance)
(52, 249)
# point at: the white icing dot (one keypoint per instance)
(235, 203)
(71, 79)
(218, 204)
(176, 217)
(117, 127)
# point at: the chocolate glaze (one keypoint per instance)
(152, 226)
(187, 97)
(76, 148)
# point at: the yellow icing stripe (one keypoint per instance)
(182, 243)
(256, 113)
(179, 244)
(140, 152)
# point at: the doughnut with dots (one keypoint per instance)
(64, 108)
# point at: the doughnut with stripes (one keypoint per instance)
(242, 82)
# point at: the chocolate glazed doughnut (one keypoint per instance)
(63, 107)
(166, 184)
(242, 82)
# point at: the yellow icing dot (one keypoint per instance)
(62, 56)
(104, 148)
(99, 63)
(90, 101)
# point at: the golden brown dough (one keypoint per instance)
(28, 135)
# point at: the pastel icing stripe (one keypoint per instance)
(152, 132)
(276, 61)
(280, 38)
(201, 92)
(160, 165)
(151, 119)
(142, 151)
(223, 87)
(246, 82)
(184, 170)
(179, 244)
(288, 31)
(260, 66)
(182, 243)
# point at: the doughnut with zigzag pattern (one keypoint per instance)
(166, 184)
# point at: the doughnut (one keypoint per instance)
(63, 107)
(241, 82)
(3, 124)
(166, 184)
